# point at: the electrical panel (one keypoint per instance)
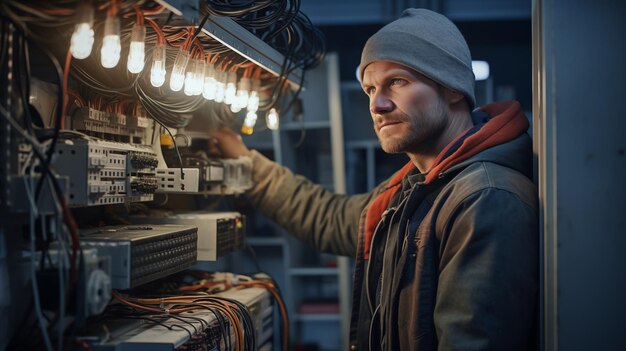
(133, 128)
(219, 233)
(104, 172)
(95, 110)
(141, 254)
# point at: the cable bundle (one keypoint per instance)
(159, 44)
(200, 295)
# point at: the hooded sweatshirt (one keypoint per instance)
(509, 123)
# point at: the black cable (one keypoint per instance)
(203, 324)
(180, 159)
(248, 323)
(180, 318)
(200, 26)
(225, 332)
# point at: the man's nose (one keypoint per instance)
(380, 103)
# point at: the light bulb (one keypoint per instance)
(229, 93)
(271, 119)
(210, 84)
(231, 88)
(242, 93)
(177, 79)
(189, 78)
(234, 108)
(136, 53)
(194, 80)
(220, 86)
(157, 72)
(111, 47)
(82, 41)
(253, 101)
(82, 38)
(199, 77)
(219, 92)
(248, 123)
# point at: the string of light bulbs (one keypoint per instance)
(193, 71)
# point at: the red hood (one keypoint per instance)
(508, 122)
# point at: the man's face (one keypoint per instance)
(408, 109)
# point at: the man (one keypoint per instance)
(447, 249)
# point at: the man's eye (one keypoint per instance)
(397, 81)
(370, 90)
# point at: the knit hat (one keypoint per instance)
(428, 43)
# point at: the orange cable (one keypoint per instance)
(76, 97)
(157, 30)
(139, 15)
(154, 11)
(271, 288)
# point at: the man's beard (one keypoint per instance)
(425, 129)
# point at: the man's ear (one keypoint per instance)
(452, 96)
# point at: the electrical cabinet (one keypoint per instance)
(94, 104)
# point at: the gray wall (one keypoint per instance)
(579, 92)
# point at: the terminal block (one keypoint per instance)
(104, 172)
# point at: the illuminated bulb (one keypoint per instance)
(137, 51)
(271, 119)
(234, 108)
(157, 72)
(190, 80)
(229, 94)
(210, 84)
(231, 88)
(253, 101)
(220, 87)
(199, 77)
(177, 79)
(242, 98)
(82, 38)
(242, 93)
(111, 47)
(82, 41)
(194, 81)
(248, 123)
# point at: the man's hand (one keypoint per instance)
(226, 143)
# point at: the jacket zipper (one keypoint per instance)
(369, 261)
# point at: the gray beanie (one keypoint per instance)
(428, 43)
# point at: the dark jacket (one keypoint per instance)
(454, 254)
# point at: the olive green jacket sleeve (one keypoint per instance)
(327, 221)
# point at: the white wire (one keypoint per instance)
(33, 160)
(27, 162)
(33, 274)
